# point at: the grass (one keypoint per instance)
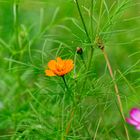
(84, 105)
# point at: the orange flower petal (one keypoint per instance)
(69, 65)
(68, 62)
(59, 60)
(60, 64)
(52, 65)
(50, 73)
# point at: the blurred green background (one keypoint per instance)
(32, 32)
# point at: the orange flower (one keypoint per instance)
(59, 67)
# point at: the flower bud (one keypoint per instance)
(100, 43)
(79, 50)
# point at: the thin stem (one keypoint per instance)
(72, 113)
(83, 60)
(92, 49)
(17, 41)
(90, 58)
(65, 82)
(91, 20)
(16, 22)
(98, 26)
(116, 90)
(83, 22)
(71, 95)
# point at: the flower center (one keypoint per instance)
(60, 67)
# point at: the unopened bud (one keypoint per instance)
(79, 50)
(100, 43)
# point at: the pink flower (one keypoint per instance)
(134, 118)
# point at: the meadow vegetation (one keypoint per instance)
(89, 101)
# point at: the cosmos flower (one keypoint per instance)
(134, 118)
(59, 67)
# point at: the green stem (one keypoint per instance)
(99, 22)
(92, 49)
(83, 60)
(90, 58)
(69, 91)
(16, 22)
(65, 82)
(17, 41)
(81, 16)
(91, 20)
(80, 13)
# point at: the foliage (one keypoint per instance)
(34, 106)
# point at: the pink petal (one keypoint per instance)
(138, 127)
(131, 121)
(135, 114)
